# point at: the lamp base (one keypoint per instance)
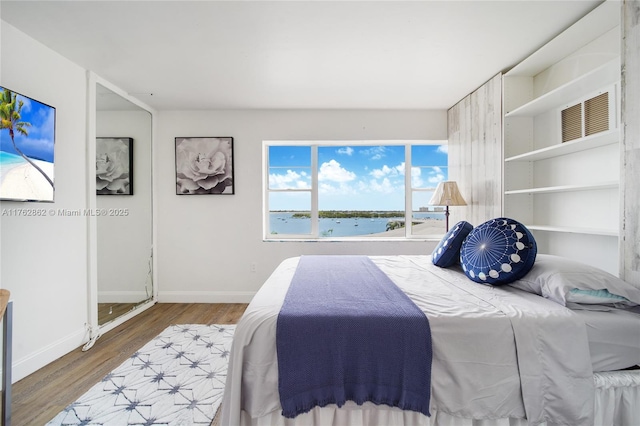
(446, 217)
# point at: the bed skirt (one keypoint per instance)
(617, 397)
(617, 403)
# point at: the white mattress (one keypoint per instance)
(614, 338)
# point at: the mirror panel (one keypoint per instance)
(124, 227)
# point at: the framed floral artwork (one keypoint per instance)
(204, 165)
(114, 166)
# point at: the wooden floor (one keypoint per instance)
(109, 311)
(42, 395)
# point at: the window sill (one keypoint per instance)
(422, 238)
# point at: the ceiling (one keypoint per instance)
(182, 55)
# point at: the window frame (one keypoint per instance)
(314, 190)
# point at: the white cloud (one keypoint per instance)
(384, 187)
(435, 176)
(374, 153)
(443, 149)
(380, 173)
(301, 184)
(416, 177)
(34, 144)
(388, 171)
(290, 179)
(345, 151)
(332, 171)
(340, 189)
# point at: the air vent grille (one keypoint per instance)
(572, 123)
(596, 114)
(586, 118)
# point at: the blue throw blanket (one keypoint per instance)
(347, 332)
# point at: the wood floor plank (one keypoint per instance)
(42, 395)
(110, 311)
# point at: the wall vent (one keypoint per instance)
(572, 123)
(596, 114)
(586, 118)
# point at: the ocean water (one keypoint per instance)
(10, 159)
(284, 223)
(8, 162)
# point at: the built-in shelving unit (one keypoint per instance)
(602, 76)
(610, 137)
(575, 230)
(565, 188)
(566, 193)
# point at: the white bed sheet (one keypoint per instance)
(614, 337)
(489, 361)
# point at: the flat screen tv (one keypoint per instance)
(27, 137)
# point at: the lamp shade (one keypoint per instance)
(447, 194)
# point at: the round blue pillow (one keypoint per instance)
(447, 252)
(498, 252)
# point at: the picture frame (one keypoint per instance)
(114, 166)
(204, 165)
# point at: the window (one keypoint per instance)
(346, 190)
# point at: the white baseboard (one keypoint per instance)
(35, 361)
(122, 296)
(205, 296)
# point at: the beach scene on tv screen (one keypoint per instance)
(27, 135)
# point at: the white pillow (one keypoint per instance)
(563, 280)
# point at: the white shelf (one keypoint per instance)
(575, 230)
(600, 20)
(564, 188)
(600, 77)
(589, 142)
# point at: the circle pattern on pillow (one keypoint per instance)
(498, 252)
(447, 252)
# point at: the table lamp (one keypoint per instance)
(447, 194)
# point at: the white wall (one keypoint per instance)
(43, 260)
(206, 243)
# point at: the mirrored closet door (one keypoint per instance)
(121, 230)
(123, 191)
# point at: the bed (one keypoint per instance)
(501, 355)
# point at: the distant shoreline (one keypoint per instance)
(353, 214)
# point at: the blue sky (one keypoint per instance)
(354, 177)
(39, 143)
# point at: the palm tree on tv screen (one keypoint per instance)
(10, 120)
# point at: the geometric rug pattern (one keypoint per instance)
(175, 379)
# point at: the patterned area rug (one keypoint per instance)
(176, 379)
